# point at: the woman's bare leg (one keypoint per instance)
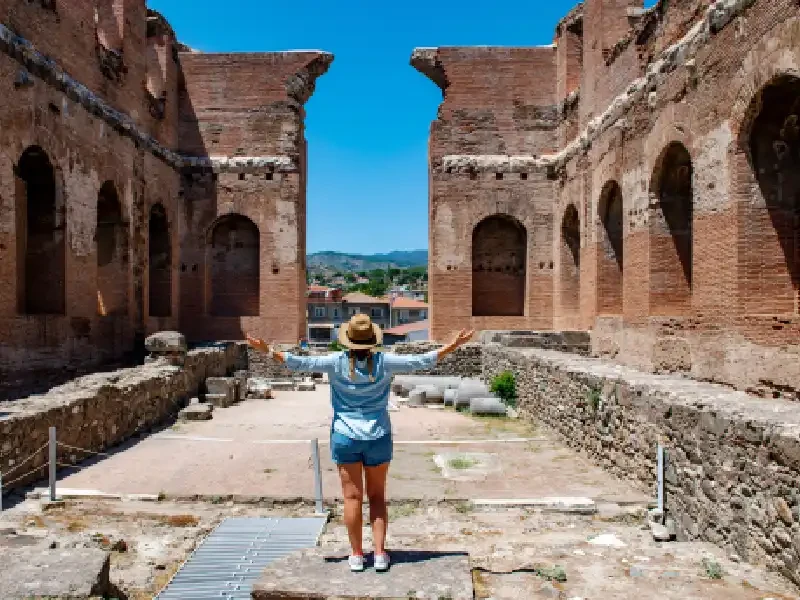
(378, 515)
(352, 477)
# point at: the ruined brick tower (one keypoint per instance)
(637, 179)
(144, 186)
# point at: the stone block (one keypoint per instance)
(259, 387)
(219, 400)
(306, 386)
(196, 412)
(166, 341)
(433, 393)
(315, 574)
(416, 398)
(450, 397)
(283, 386)
(38, 572)
(225, 386)
(487, 406)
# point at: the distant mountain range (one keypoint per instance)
(339, 261)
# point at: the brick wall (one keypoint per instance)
(687, 108)
(108, 105)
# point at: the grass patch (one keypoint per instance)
(461, 463)
(76, 526)
(713, 569)
(269, 471)
(554, 573)
(463, 508)
(594, 398)
(480, 585)
(180, 520)
(401, 510)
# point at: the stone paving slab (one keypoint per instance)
(32, 572)
(261, 449)
(320, 575)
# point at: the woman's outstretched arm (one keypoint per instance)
(398, 363)
(310, 364)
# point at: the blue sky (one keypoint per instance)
(367, 123)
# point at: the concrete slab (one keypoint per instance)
(38, 572)
(318, 575)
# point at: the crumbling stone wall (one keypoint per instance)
(733, 459)
(682, 119)
(466, 361)
(101, 410)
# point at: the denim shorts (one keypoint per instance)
(372, 453)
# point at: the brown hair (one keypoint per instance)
(370, 364)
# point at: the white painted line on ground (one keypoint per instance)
(560, 504)
(190, 438)
(471, 442)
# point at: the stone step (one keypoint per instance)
(36, 571)
(219, 400)
(196, 412)
(326, 576)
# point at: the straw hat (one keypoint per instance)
(360, 334)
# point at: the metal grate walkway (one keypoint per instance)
(227, 563)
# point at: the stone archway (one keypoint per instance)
(670, 232)
(233, 262)
(610, 250)
(499, 260)
(41, 236)
(160, 261)
(769, 275)
(570, 254)
(111, 238)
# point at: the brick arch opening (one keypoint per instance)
(499, 259)
(570, 254)
(111, 238)
(769, 276)
(670, 232)
(610, 251)
(41, 240)
(160, 261)
(233, 262)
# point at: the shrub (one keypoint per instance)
(335, 346)
(505, 386)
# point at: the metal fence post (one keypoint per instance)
(317, 474)
(660, 461)
(52, 464)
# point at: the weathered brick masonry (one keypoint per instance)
(144, 186)
(733, 460)
(638, 179)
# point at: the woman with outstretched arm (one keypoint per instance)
(361, 433)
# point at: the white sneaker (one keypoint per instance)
(356, 563)
(382, 562)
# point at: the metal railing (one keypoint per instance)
(53, 463)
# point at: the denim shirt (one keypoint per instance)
(361, 407)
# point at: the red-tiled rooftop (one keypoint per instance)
(403, 302)
(407, 328)
(359, 298)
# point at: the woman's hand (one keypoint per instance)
(462, 337)
(262, 346)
